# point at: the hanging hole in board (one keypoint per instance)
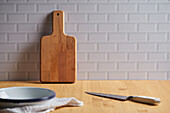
(57, 14)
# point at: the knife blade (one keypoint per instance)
(142, 99)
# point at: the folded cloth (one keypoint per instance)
(44, 108)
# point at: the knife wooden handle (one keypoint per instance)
(145, 99)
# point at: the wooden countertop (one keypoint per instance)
(94, 104)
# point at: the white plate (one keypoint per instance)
(22, 96)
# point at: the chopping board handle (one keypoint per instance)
(58, 23)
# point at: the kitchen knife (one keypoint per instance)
(142, 99)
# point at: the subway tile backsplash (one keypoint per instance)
(116, 39)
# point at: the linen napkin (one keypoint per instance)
(44, 108)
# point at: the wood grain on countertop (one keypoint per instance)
(94, 104)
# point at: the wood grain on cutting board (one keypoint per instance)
(58, 53)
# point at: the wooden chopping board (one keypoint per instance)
(58, 53)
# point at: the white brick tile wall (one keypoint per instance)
(127, 27)
(157, 37)
(97, 57)
(37, 66)
(107, 8)
(39, 18)
(127, 47)
(8, 47)
(127, 8)
(86, 27)
(17, 57)
(3, 37)
(33, 75)
(70, 28)
(164, 7)
(82, 75)
(168, 76)
(137, 17)
(163, 47)
(117, 57)
(157, 76)
(18, 76)
(26, 8)
(109, 66)
(97, 76)
(106, 27)
(7, 28)
(168, 56)
(168, 17)
(46, 7)
(147, 47)
(34, 37)
(74, 18)
(118, 17)
(84, 66)
(3, 76)
(157, 17)
(29, 47)
(147, 27)
(137, 76)
(97, 1)
(82, 56)
(157, 56)
(97, 37)
(137, 56)
(7, 8)
(147, 7)
(57, 1)
(164, 27)
(137, 37)
(3, 57)
(96, 18)
(158, 1)
(68, 7)
(3, 18)
(6, 67)
(117, 76)
(27, 66)
(38, 1)
(127, 66)
(106, 47)
(17, 37)
(18, 1)
(81, 37)
(33, 56)
(87, 8)
(147, 66)
(85, 47)
(2, 1)
(26, 28)
(163, 66)
(116, 39)
(41, 28)
(117, 1)
(77, 1)
(17, 18)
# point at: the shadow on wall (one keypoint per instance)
(28, 62)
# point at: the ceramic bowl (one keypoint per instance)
(23, 96)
